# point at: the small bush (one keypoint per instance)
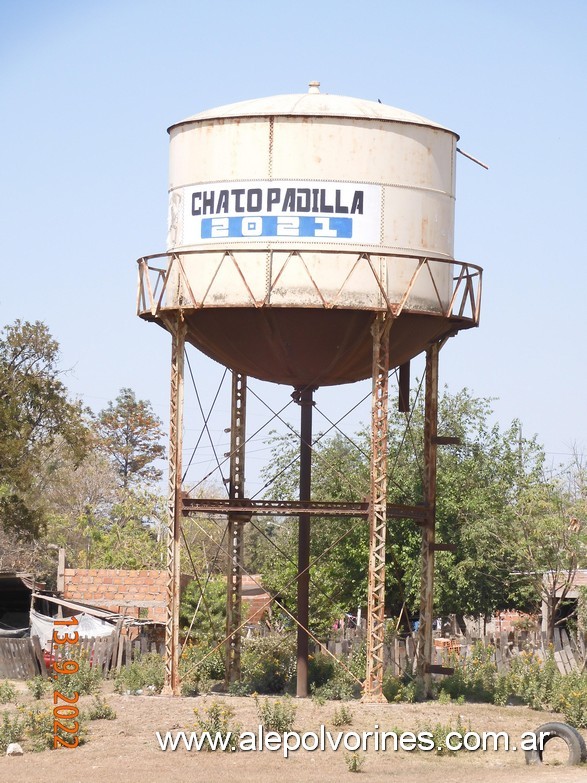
(86, 681)
(342, 716)
(38, 686)
(101, 710)
(570, 698)
(216, 719)
(357, 661)
(321, 669)
(146, 674)
(530, 680)
(7, 692)
(11, 730)
(440, 732)
(342, 687)
(239, 689)
(396, 689)
(475, 679)
(276, 715)
(354, 761)
(268, 663)
(39, 729)
(198, 677)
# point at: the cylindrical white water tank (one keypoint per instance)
(293, 219)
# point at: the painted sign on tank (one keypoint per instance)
(275, 210)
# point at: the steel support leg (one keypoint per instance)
(174, 506)
(235, 529)
(425, 645)
(373, 688)
(305, 398)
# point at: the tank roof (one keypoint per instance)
(312, 104)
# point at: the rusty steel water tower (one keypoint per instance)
(310, 244)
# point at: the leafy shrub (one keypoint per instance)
(475, 678)
(439, 733)
(341, 687)
(397, 689)
(342, 716)
(268, 663)
(529, 679)
(321, 669)
(7, 692)
(570, 698)
(38, 686)
(523, 680)
(11, 730)
(217, 718)
(101, 710)
(145, 674)
(357, 661)
(39, 729)
(354, 761)
(276, 714)
(86, 681)
(198, 677)
(239, 689)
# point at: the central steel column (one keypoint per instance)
(429, 528)
(174, 508)
(305, 399)
(373, 688)
(235, 529)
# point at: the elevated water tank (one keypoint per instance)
(294, 219)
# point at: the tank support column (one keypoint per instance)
(429, 528)
(304, 396)
(373, 688)
(235, 531)
(174, 507)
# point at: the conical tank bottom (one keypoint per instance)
(308, 346)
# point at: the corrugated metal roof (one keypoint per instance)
(312, 104)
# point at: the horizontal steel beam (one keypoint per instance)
(292, 508)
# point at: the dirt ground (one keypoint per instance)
(126, 749)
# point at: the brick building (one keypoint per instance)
(140, 594)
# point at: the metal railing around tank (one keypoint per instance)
(463, 304)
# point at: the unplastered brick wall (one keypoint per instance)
(120, 590)
(506, 621)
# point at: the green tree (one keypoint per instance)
(479, 484)
(548, 538)
(106, 511)
(203, 611)
(130, 433)
(34, 413)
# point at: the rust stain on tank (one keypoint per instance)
(424, 232)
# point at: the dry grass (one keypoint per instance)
(126, 749)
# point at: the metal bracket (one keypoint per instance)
(443, 547)
(446, 440)
(431, 668)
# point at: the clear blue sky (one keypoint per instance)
(89, 88)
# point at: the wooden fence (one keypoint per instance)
(21, 659)
(570, 654)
